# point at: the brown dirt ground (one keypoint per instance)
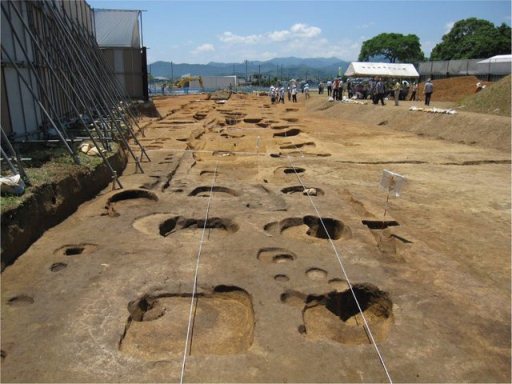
(102, 297)
(455, 88)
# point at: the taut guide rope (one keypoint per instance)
(366, 326)
(194, 288)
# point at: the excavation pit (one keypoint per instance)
(316, 274)
(380, 224)
(223, 324)
(288, 171)
(336, 316)
(56, 267)
(299, 189)
(288, 133)
(179, 223)
(281, 278)
(206, 191)
(76, 249)
(20, 301)
(298, 145)
(312, 226)
(275, 255)
(252, 120)
(128, 198)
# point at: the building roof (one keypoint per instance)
(497, 59)
(381, 69)
(117, 28)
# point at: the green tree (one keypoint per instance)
(473, 39)
(395, 47)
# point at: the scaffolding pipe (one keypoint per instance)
(39, 83)
(111, 82)
(52, 71)
(87, 79)
(73, 154)
(5, 140)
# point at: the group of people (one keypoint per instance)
(376, 90)
(277, 94)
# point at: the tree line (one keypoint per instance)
(468, 39)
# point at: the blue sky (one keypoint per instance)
(233, 31)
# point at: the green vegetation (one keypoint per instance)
(494, 99)
(473, 39)
(394, 47)
(48, 165)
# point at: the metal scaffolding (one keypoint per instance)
(55, 81)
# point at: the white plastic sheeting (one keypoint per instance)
(381, 69)
(117, 28)
(497, 59)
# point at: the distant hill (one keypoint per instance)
(285, 67)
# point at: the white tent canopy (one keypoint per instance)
(381, 69)
(117, 28)
(497, 59)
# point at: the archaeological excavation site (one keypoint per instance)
(220, 237)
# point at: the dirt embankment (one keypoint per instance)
(52, 203)
(485, 130)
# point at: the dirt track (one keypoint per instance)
(105, 295)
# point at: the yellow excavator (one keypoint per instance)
(185, 81)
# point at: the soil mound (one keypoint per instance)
(494, 99)
(454, 88)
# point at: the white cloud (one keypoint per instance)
(448, 26)
(298, 30)
(304, 30)
(204, 48)
(228, 37)
(278, 35)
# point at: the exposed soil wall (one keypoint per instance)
(51, 204)
(470, 128)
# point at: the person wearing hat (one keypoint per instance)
(427, 91)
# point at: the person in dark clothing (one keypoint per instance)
(380, 91)
(427, 90)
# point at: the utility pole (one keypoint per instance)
(259, 75)
(246, 78)
(172, 77)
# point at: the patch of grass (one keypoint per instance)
(48, 165)
(494, 99)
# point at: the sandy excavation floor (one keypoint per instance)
(105, 296)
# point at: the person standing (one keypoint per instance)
(380, 91)
(294, 94)
(349, 89)
(414, 90)
(396, 92)
(428, 90)
(281, 95)
(329, 87)
(335, 88)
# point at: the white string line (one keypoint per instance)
(369, 332)
(194, 288)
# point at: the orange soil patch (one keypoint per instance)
(454, 88)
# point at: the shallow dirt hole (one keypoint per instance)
(311, 191)
(281, 278)
(20, 300)
(288, 133)
(380, 224)
(275, 255)
(205, 191)
(316, 274)
(223, 324)
(56, 267)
